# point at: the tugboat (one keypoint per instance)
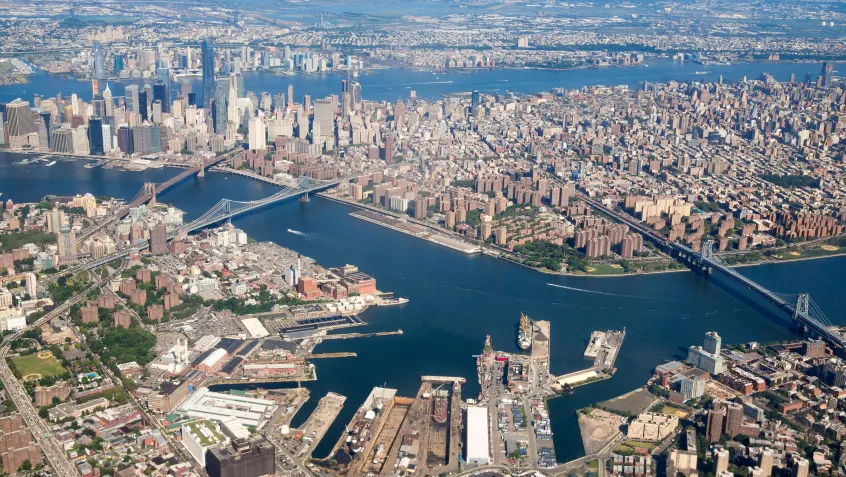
(524, 333)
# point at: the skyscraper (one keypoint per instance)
(207, 51)
(132, 98)
(66, 245)
(220, 113)
(827, 74)
(118, 66)
(475, 101)
(160, 93)
(163, 76)
(158, 240)
(142, 105)
(800, 468)
(714, 427)
(99, 71)
(721, 460)
(46, 121)
(766, 462)
(18, 118)
(355, 93)
(290, 97)
(95, 136)
(713, 343)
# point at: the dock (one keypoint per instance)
(345, 336)
(604, 347)
(331, 355)
(229, 381)
(443, 379)
(315, 427)
(357, 447)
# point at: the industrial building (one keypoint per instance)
(220, 407)
(478, 437)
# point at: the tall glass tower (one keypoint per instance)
(208, 72)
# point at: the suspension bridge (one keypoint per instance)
(149, 190)
(801, 307)
(226, 209)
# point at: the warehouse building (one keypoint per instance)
(478, 437)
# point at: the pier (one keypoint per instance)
(315, 427)
(443, 379)
(604, 347)
(331, 355)
(231, 381)
(345, 336)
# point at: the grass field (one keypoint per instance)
(605, 269)
(38, 365)
(634, 447)
(674, 411)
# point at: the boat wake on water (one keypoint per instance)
(591, 291)
(297, 232)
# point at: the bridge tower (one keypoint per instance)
(801, 308)
(150, 188)
(304, 185)
(706, 255)
(707, 251)
(200, 164)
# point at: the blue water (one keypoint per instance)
(456, 300)
(392, 84)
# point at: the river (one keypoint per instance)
(456, 300)
(394, 83)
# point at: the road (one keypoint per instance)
(40, 430)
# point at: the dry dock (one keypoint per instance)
(315, 427)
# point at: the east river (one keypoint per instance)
(456, 300)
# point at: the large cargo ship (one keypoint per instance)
(440, 413)
(524, 333)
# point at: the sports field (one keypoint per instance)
(38, 365)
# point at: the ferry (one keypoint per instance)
(524, 333)
(440, 414)
(392, 301)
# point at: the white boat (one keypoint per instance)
(50, 164)
(393, 301)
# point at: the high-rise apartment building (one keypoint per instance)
(708, 358)
(158, 240)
